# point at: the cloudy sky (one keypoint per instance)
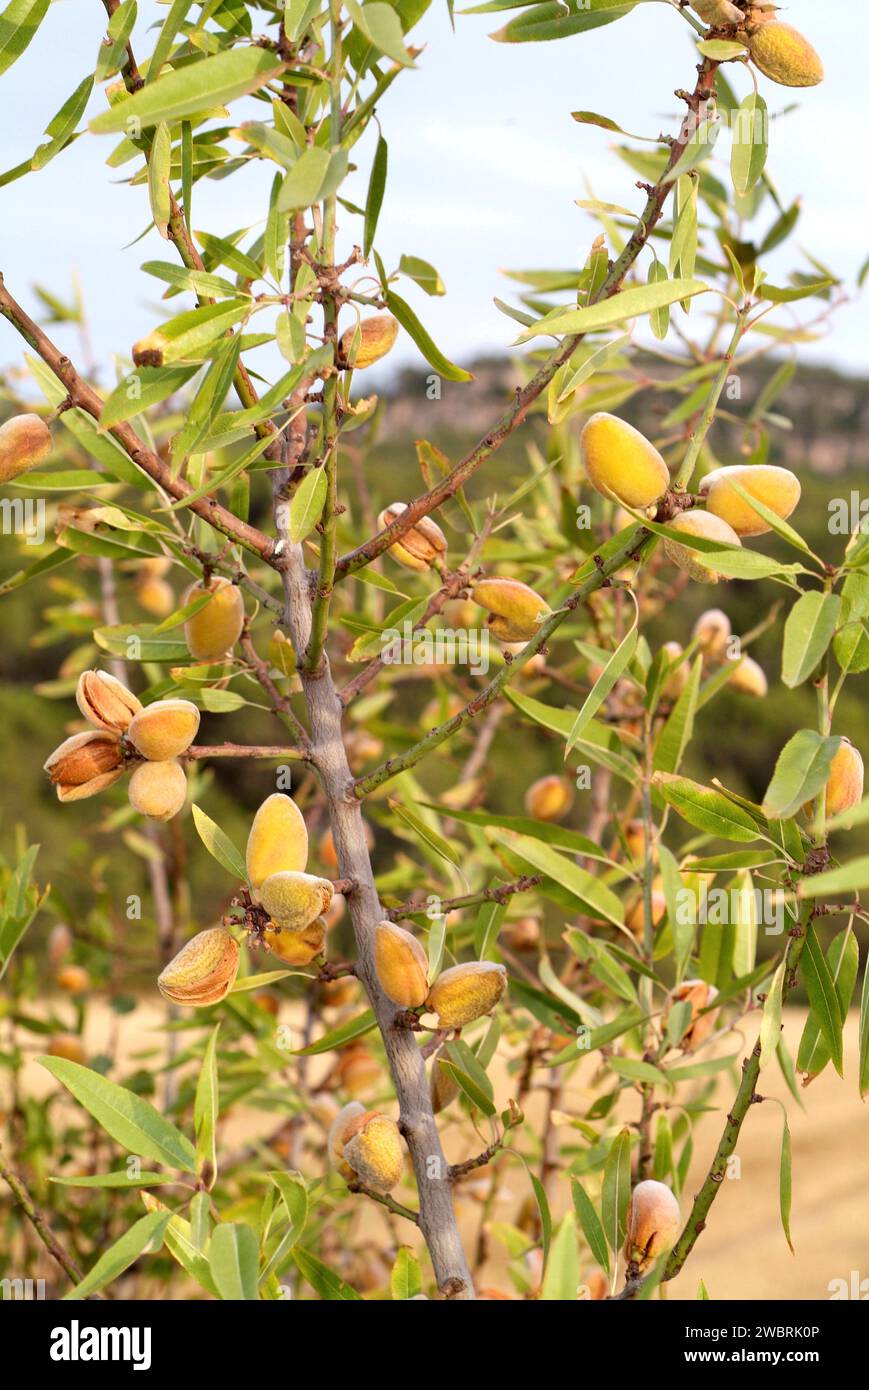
(485, 167)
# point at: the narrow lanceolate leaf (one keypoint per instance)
(629, 304)
(864, 1037)
(18, 24)
(591, 1226)
(659, 319)
(853, 877)
(598, 899)
(294, 1195)
(429, 349)
(603, 685)
(843, 960)
(60, 128)
(159, 164)
(801, 770)
(679, 728)
(196, 87)
(232, 1258)
(616, 1190)
(143, 387)
(750, 143)
(405, 1279)
(129, 1119)
(808, 632)
(785, 1183)
(376, 189)
(770, 1023)
(561, 1280)
(823, 999)
(307, 505)
(205, 1110)
(147, 1231)
(337, 1037)
(219, 845)
(322, 1279)
(706, 809)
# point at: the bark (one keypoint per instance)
(437, 1219)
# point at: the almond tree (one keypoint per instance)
(297, 591)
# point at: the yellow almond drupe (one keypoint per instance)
(105, 701)
(845, 782)
(718, 12)
(466, 992)
(700, 1026)
(73, 978)
(374, 1153)
(620, 462)
(776, 488)
(679, 676)
(203, 971)
(278, 840)
(549, 798)
(653, 1223)
(785, 56)
(376, 337)
(158, 790)
(341, 1130)
(164, 729)
(156, 597)
(420, 546)
(749, 678)
(443, 1087)
(85, 764)
(712, 632)
(295, 900)
(25, 442)
(516, 611)
(68, 1046)
(401, 965)
(213, 631)
(296, 947)
(706, 526)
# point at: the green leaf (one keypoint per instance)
(121, 1178)
(129, 1119)
(801, 771)
(540, 23)
(789, 294)
(18, 25)
(616, 1190)
(785, 1183)
(591, 1225)
(864, 1037)
(190, 333)
(196, 87)
(294, 1195)
(659, 319)
(381, 25)
(337, 1037)
(823, 1000)
(843, 960)
(141, 388)
(307, 505)
(808, 632)
(376, 189)
(770, 1023)
(159, 167)
(322, 1279)
(429, 349)
(613, 669)
(60, 128)
(847, 878)
(405, 1279)
(233, 1256)
(561, 1279)
(219, 845)
(205, 1112)
(677, 732)
(749, 143)
(627, 304)
(468, 1084)
(422, 273)
(597, 899)
(301, 187)
(147, 1231)
(706, 809)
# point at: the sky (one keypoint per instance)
(485, 166)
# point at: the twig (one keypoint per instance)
(40, 1225)
(385, 1201)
